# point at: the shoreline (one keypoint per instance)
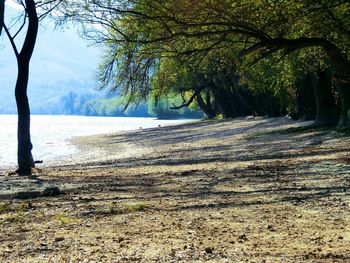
(67, 149)
(90, 147)
(217, 191)
(96, 148)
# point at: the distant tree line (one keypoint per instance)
(94, 104)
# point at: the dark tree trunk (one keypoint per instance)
(2, 14)
(224, 98)
(305, 100)
(344, 94)
(267, 105)
(245, 100)
(24, 150)
(326, 112)
(207, 108)
(244, 97)
(225, 103)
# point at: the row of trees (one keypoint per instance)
(233, 57)
(90, 105)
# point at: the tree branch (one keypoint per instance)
(188, 103)
(13, 44)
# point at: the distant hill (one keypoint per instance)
(62, 63)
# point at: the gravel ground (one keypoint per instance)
(242, 190)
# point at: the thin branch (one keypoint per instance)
(50, 9)
(13, 44)
(21, 27)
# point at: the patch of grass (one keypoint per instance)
(252, 136)
(23, 206)
(115, 210)
(219, 117)
(126, 209)
(7, 207)
(131, 208)
(11, 218)
(258, 134)
(64, 219)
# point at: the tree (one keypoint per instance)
(23, 55)
(24, 149)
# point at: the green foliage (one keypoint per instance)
(7, 207)
(136, 207)
(89, 105)
(12, 212)
(155, 48)
(161, 108)
(126, 208)
(11, 218)
(65, 219)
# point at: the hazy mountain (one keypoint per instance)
(62, 62)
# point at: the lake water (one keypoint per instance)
(51, 134)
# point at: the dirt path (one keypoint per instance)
(247, 190)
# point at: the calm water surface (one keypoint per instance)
(51, 134)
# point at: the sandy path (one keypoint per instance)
(220, 191)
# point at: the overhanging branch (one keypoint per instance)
(189, 101)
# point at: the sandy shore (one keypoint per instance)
(221, 191)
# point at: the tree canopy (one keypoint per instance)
(156, 47)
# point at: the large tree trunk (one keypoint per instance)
(326, 114)
(24, 150)
(344, 94)
(206, 107)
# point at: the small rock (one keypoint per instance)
(59, 239)
(242, 238)
(185, 173)
(270, 227)
(43, 246)
(51, 191)
(209, 250)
